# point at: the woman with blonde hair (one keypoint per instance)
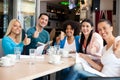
(13, 37)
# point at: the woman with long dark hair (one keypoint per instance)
(91, 43)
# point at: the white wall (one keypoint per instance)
(106, 4)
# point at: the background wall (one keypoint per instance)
(106, 4)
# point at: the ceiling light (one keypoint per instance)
(65, 3)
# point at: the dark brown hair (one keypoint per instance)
(74, 25)
(83, 37)
(43, 14)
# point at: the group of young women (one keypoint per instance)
(105, 59)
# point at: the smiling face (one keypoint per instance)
(86, 28)
(105, 30)
(43, 21)
(16, 28)
(69, 31)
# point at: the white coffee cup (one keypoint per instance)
(55, 59)
(12, 57)
(64, 53)
(6, 61)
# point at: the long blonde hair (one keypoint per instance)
(9, 29)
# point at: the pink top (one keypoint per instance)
(94, 48)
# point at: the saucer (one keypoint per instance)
(51, 62)
(2, 65)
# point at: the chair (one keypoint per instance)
(1, 51)
(52, 34)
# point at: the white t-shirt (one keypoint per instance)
(111, 62)
(70, 47)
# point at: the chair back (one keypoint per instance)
(1, 51)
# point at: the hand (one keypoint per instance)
(116, 48)
(93, 50)
(27, 40)
(72, 52)
(58, 40)
(36, 33)
(84, 56)
(62, 35)
(94, 47)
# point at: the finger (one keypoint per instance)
(114, 46)
(118, 45)
(118, 42)
(25, 36)
(36, 28)
(81, 54)
(62, 33)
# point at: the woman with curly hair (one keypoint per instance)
(70, 40)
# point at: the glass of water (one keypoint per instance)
(32, 55)
(17, 52)
(57, 47)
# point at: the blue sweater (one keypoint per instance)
(8, 45)
(77, 39)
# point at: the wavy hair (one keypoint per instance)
(9, 29)
(74, 25)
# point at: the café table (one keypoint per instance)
(22, 70)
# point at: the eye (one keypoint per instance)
(104, 28)
(46, 20)
(87, 26)
(83, 26)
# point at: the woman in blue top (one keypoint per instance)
(13, 38)
(70, 41)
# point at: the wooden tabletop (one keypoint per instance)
(24, 71)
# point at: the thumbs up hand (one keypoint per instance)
(36, 33)
(27, 40)
(116, 48)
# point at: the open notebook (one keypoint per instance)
(87, 67)
(42, 46)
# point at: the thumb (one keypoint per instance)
(26, 36)
(114, 46)
(36, 28)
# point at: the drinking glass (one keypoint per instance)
(32, 55)
(17, 52)
(57, 47)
